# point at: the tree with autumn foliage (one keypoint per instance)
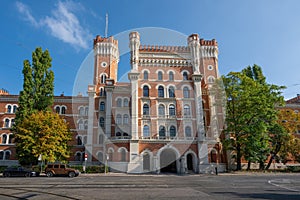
(283, 143)
(43, 132)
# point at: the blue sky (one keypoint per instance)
(264, 32)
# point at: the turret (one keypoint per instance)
(194, 44)
(134, 45)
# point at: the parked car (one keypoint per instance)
(19, 171)
(60, 170)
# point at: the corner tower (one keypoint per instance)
(106, 56)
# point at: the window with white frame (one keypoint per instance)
(125, 119)
(172, 131)
(9, 109)
(145, 75)
(146, 110)
(125, 102)
(186, 110)
(188, 131)
(146, 131)
(186, 92)
(172, 111)
(119, 119)
(145, 91)
(160, 76)
(162, 131)
(80, 125)
(185, 76)
(81, 111)
(161, 110)
(101, 122)
(15, 108)
(119, 102)
(161, 91)
(102, 106)
(171, 76)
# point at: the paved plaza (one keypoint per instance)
(167, 186)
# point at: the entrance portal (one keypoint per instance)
(168, 161)
(190, 164)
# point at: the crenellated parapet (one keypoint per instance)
(106, 47)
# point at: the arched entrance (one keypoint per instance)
(168, 161)
(146, 162)
(190, 163)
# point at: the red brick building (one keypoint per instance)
(166, 119)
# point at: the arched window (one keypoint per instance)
(102, 106)
(145, 91)
(6, 124)
(125, 119)
(84, 139)
(123, 155)
(1, 155)
(118, 134)
(79, 140)
(146, 109)
(162, 132)
(119, 102)
(101, 122)
(101, 92)
(187, 110)
(9, 108)
(185, 76)
(80, 125)
(86, 111)
(10, 138)
(161, 91)
(159, 76)
(7, 155)
(15, 109)
(125, 102)
(119, 119)
(146, 131)
(211, 79)
(63, 110)
(172, 110)
(186, 92)
(4, 139)
(161, 110)
(81, 111)
(57, 109)
(85, 125)
(172, 131)
(188, 131)
(171, 76)
(145, 75)
(171, 92)
(103, 78)
(12, 122)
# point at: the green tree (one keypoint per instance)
(45, 133)
(37, 94)
(38, 88)
(250, 109)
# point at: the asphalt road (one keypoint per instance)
(120, 186)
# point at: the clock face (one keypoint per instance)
(103, 64)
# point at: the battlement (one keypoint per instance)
(100, 39)
(212, 42)
(156, 48)
(4, 92)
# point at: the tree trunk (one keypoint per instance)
(238, 157)
(261, 165)
(270, 161)
(248, 167)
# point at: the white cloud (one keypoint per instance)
(62, 23)
(24, 9)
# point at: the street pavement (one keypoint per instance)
(164, 186)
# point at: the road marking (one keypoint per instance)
(283, 181)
